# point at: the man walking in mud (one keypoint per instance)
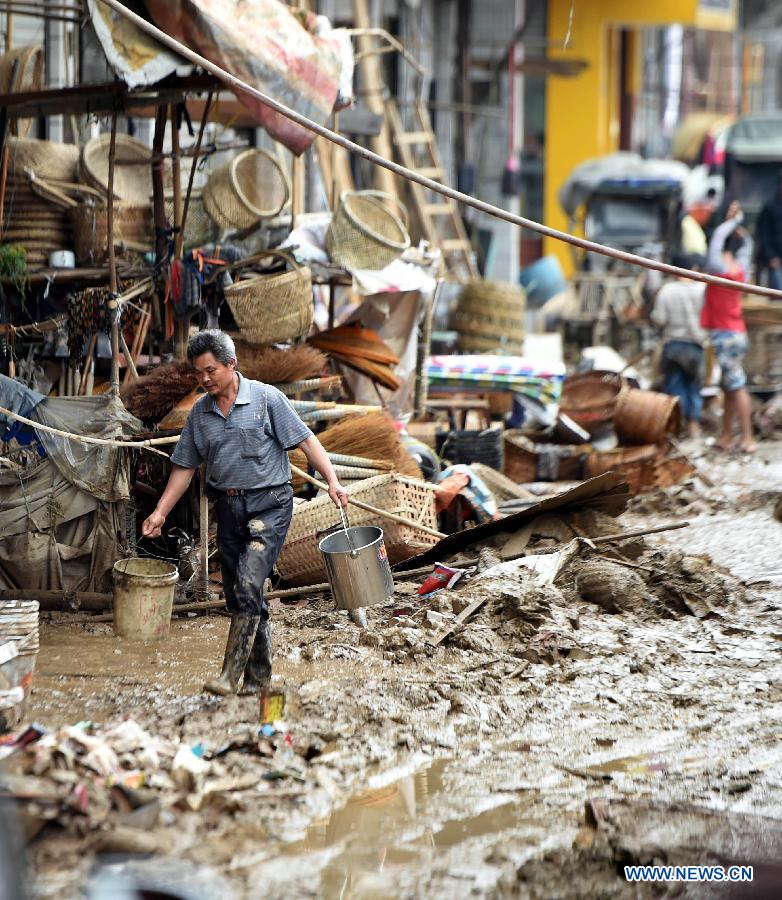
(242, 429)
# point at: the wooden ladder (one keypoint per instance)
(439, 217)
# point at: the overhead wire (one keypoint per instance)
(591, 246)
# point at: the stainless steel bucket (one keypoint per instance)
(357, 566)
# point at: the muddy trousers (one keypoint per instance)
(251, 529)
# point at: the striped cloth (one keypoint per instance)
(497, 373)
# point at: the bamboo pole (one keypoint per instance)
(384, 162)
(402, 520)
(83, 439)
(112, 304)
(87, 363)
(129, 361)
(196, 155)
(176, 174)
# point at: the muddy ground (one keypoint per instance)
(632, 711)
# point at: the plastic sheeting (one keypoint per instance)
(61, 521)
(95, 468)
(756, 138)
(136, 57)
(54, 536)
(263, 43)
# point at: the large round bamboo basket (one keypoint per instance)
(489, 315)
(251, 187)
(29, 219)
(132, 170)
(270, 309)
(46, 158)
(22, 69)
(590, 398)
(364, 233)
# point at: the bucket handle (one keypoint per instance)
(346, 527)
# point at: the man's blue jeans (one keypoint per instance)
(682, 365)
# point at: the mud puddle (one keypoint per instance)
(363, 849)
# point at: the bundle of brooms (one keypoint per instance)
(159, 391)
(372, 437)
(360, 349)
(162, 389)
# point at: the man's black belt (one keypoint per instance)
(240, 492)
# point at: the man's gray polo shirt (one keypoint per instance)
(247, 448)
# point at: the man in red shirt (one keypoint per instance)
(730, 253)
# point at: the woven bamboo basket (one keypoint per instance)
(21, 70)
(47, 158)
(132, 227)
(645, 417)
(364, 233)
(590, 398)
(644, 467)
(270, 309)
(530, 457)
(132, 170)
(489, 315)
(301, 562)
(251, 187)
(200, 228)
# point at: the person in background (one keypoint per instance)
(769, 237)
(702, 211)
(730, 253)
(693, 240)
(677, 312)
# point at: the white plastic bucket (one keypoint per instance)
(18, 654)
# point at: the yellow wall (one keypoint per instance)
(582, 113)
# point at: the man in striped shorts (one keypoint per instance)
(242, 429)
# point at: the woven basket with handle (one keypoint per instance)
(251, 187)
(364, 233)
(301, 562)
(270, 309)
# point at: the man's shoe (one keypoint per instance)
(237, 651)
(258, 671)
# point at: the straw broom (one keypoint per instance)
(370, 437)
(158, 392)
(279, 366)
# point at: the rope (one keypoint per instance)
(238, 85)
(81, 439)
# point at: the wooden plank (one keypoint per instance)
(461, 619)
(451, 244)
(413, 137)
(437, 209)
(433, 172)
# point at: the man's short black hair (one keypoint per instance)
(734, 243)
(213, 341)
